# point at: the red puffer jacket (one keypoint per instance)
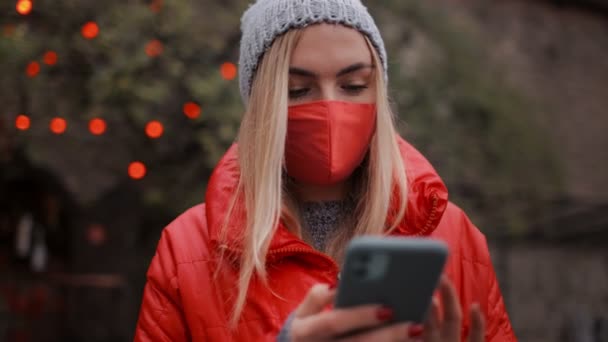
(184, 302)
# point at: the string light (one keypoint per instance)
(22, 122)
(96, 234)
(24, 7)
(58, 125)
(97, 126)
(228, 71)
(137, 170)
(154, 48)
(192, 110)
(156, 5)
(50, 58)
(154, 129)
(90, 30)
(32, 69)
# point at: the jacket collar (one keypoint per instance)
(427, 200)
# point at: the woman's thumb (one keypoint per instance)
(318, 297)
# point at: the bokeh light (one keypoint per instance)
(58, 125)
(96, 234)
(90, 30)
(228, 71)
(156, 5)
(50, 58)
(97, 126)
(22, 122)
(154, 48)
(154, 129)
(32, 69)
(192, 110)
(24, 7)
(137, 170)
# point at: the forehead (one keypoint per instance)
(326, 48)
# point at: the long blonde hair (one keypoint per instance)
(261, 147)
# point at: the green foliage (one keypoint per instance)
(477, 131)
(112, 77)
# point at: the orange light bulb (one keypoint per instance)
(58, 125)
(50, 58)
(22, 122)
(192, 110)
(137, 170)
(97, 126)
(32, 69)
(228, 71)
(154, 48)
(154, 129)
(90, 30)
(24, 7)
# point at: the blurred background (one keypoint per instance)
(113, 114)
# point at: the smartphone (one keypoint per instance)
(396, 272)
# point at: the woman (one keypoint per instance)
(318, 161)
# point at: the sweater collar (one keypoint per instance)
(427, 200)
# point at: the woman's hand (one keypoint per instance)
(448, 329)
(312, 323)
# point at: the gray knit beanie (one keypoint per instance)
(265, 20)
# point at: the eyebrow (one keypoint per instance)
(345, 71)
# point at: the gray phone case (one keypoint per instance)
(400, 273)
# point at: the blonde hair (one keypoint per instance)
(261, 147)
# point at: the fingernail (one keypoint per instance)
(384, 314)
(415, 330)
(333, 286)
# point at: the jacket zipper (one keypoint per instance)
(423, 232)
(336, 268)
(310, 251)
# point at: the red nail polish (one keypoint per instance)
(416, 330)
(333, 286)
(384, 314)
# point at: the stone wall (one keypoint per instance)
(554, 292)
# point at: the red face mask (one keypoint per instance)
(327, 140)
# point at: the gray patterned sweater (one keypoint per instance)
(321, 219)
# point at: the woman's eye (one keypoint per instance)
(297, 93)
(354, 89)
